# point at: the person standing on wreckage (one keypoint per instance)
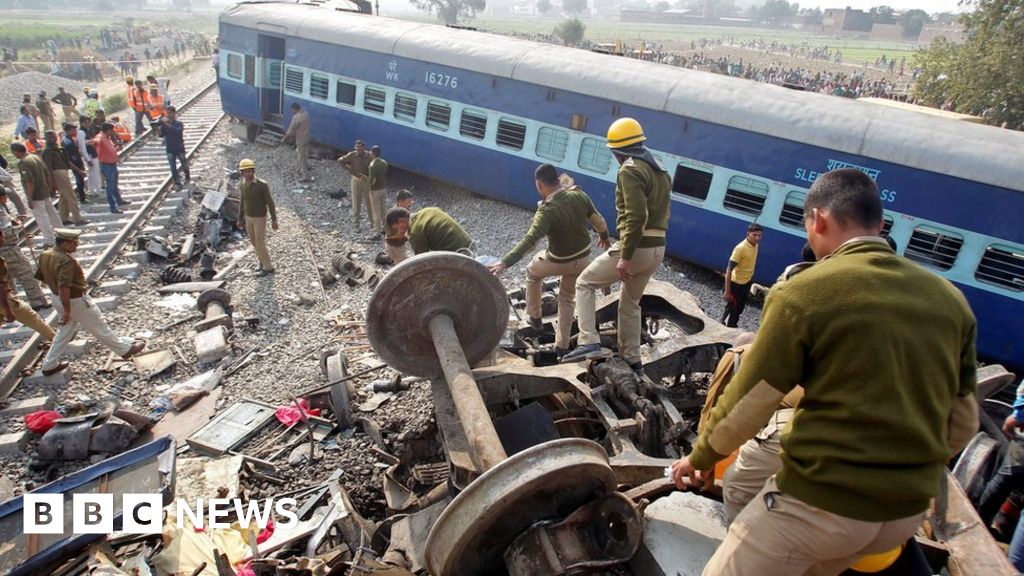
(642, 190)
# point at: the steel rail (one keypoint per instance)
(29, 352)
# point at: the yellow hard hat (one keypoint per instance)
(877, 562)
(246, 164)
(625, 132)
(129, 79)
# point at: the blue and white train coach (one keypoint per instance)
(481, 111)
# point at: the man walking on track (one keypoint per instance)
(59, 270)
(256, 203)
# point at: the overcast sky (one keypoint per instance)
(929, 6)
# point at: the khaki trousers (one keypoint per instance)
(28, 317)
(67, 202)
(757, 461)
(539, 269)
(256, 228)
(360, 195)
(302, 152)
(46, 218)
(24, 273)
(48, 121)
(601, 274)
(86, 315)
(70, 114)
(779, 535)
(377, 209)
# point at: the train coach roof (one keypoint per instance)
(978, 153)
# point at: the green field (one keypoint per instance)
(676, 36)
(30, 29)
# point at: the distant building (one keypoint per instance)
(840, 21)
(954, 32)
(887, 32)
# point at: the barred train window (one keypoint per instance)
(793, 210)
(692, 182)
(374, 99)
(745, 195)
(274, 74)
(319, 86)
(473, 124)
(511, 134)
(552, 143)
(405, 107)
(934, 247)
(594, 156)
(1003, 266)
(234, 66)
(439, 115)
(294, 80)
(345, 93)
(887, 223)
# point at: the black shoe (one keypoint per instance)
(638, 369)
(559, 352)
(116, 211)
(123, 202)
(82, 222)
(43, 306)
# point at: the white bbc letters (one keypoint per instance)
(43, 514)
(92, 513)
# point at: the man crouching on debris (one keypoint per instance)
(59, 270)
(885, 352)
(254, 205)
(429, 230)
(562, 217)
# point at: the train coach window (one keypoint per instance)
(511, 134)
(692, 182)
(234, 66)
(793, 210)
(934, 247)
(345, 93)
(594, 156)
(552, 143)
(439, 115)
(374, 99)
(1003, 266)
(745, 195)
(473, 125)
(405, 107)
(294, 80)
(887, 223)
(319, 86)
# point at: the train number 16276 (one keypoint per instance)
(446, 80)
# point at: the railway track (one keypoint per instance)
(145, 181)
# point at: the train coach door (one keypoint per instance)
(271, 67)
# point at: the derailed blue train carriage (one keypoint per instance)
(481, 111)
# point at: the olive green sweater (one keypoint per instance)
(562, 217)
(431, 230)
(885, 352)
(256, 201)
(642, 202)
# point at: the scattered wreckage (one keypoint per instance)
(542, 468)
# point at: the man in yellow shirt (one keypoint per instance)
(740, 274)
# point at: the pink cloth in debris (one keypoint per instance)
(289, 414)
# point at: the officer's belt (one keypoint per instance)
(654, 233)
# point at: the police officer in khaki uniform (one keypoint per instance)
(378, 176)
(642, 190)
(256, 202)
(357, 163)
(15, 309)
(17, 265)
(59, 270)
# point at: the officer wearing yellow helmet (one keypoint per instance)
(642, 190)
(255, 204)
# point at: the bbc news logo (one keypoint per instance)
(143, 513)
